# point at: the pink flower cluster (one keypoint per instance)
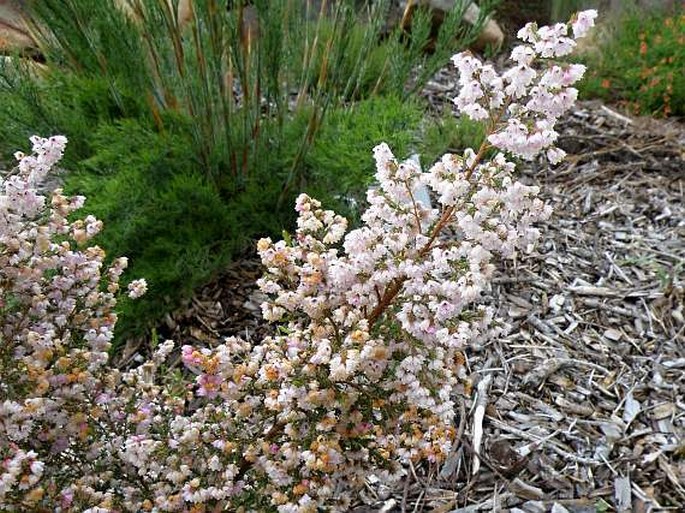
(360, 377)
(530, 100)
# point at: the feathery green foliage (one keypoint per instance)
(453, 135)
(340, 165)
(58, 103)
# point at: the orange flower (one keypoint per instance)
(606, 83)
(35, 495)
(301, 488)
(271, 373)
(643, 48)
(211, 365)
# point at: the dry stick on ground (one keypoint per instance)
(478, 416)
(450, 465)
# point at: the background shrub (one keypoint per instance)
(639, 61)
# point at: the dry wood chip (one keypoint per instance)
(663, 411)
(534, 507)
(588, 290)
(578, 409)
(525, 490)
(676, 480)
(674, 364)
(613, 334)
(622, 494)
(631, 408)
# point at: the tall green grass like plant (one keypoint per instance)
(240, 73)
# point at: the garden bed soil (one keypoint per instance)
(585, 398)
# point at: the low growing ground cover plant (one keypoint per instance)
(361, 375)
(639, 62)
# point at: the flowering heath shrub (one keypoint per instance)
(361, 374)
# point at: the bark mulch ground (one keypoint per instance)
(581, 408)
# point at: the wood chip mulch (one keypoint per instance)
(584, 400)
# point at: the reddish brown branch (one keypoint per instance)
(395, 286)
